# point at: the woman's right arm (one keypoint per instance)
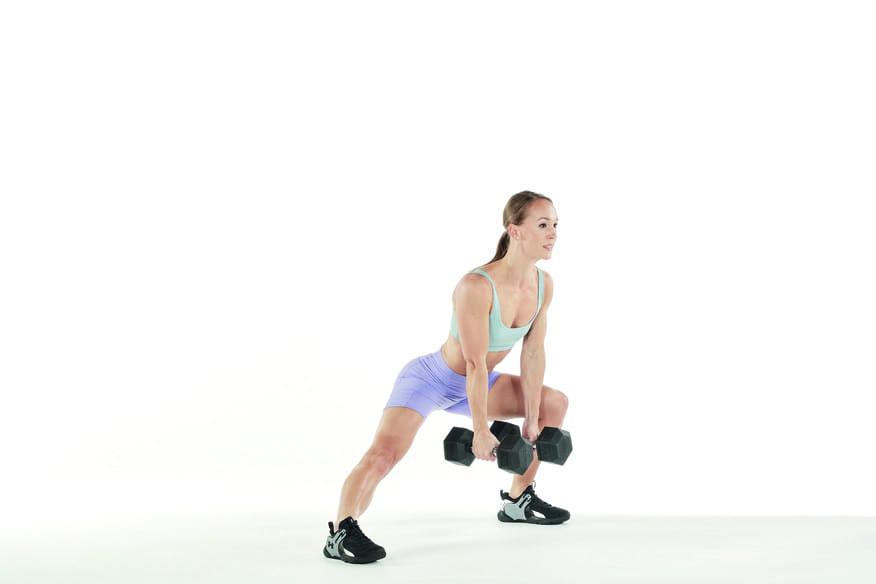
(472, 299)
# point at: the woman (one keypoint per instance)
(493, 308)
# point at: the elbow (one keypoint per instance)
(532, 353)
(475, 363)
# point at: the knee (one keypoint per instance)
(555, 404)
(380, 459)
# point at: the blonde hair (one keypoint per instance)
(514, 214)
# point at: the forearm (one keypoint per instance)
(476, 389)
(532, 365)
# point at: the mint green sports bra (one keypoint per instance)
(502, 338)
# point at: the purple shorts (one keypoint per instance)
(427, 384)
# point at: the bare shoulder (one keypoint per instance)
(473, 288)
(473, 283)
(548, 281)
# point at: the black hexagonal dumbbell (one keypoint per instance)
(513, 454)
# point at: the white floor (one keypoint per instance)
(264, 549)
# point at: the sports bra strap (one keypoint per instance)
(496, 294)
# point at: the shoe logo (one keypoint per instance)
(334, 543)
(524, 501)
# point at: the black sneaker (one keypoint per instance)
(529, 508)
(350, 545)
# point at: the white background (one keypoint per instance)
(225, 227)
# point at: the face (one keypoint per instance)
(538, 232)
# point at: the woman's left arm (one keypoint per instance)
(532, 363)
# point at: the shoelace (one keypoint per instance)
(536, 499)
(355, 535)
(539, 501)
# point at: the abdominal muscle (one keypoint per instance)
(451, 350)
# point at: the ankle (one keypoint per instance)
(517, 490)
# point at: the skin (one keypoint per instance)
(512, 396)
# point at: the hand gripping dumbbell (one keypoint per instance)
(514, 453)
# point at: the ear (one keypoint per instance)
(513, 232)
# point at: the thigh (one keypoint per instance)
(506, 399)
(397, 428)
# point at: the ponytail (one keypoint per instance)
(502, 248)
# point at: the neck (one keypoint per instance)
(517, 268)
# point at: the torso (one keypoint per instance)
(518, 305)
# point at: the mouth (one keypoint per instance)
(549, 247)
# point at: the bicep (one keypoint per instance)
(472, 307)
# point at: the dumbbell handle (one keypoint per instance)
(496, 448)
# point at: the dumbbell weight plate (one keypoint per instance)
(553, 445)
(501, 429)
(514, 454)
(457, 446)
